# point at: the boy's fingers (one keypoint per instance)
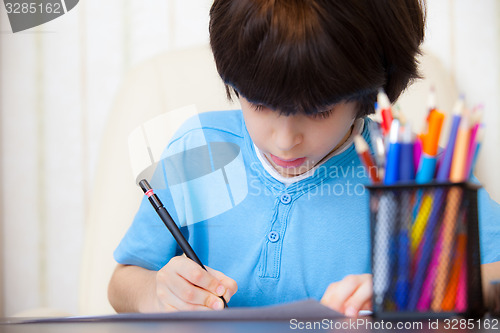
(230, 284)
(367, 305)
(197, 276)
(190, 297)
(194, 286)
(359, 300)
(338, 292)
(170, 302)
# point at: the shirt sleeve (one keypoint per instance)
(148, 243)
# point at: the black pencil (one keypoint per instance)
(172, 227)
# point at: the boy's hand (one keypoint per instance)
(183, 285)
(351, 294)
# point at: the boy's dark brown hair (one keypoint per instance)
(304, 55)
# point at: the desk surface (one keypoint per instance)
(308, 315)
(364, 324)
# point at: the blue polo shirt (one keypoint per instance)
(279, 243)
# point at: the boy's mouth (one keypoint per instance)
(293, 163)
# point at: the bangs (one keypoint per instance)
(290, 56)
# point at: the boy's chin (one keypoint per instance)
(293, 171)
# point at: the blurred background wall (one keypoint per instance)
(57, 84)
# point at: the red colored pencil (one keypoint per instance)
(385, 109)
(364, 155)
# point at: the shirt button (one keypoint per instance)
(285, 198)
(273, 236)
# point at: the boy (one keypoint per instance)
(306, 74)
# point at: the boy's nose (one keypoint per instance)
(287, 133)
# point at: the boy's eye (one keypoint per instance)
(322, 114)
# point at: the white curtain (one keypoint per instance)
(58, 82)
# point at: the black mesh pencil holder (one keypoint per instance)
(425, 250)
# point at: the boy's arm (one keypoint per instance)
(133, 289)
(489, 272)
